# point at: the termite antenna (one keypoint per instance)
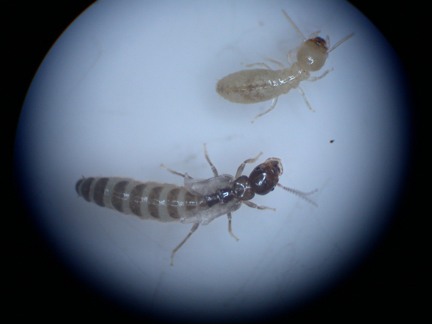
(294, 26)
(340, 42)
(301, 194)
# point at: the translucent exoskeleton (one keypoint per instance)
(258, 85)
(199, 201)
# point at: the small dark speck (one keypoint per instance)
(331, 141)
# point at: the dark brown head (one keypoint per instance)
(265, 176)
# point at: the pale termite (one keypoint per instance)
(198, 201)
(258, 85)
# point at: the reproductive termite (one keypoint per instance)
(258, 85)
(199, 201)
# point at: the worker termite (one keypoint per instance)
(258, 85)
(199, 201)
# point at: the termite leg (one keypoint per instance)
(252, 205)
(265, 112)
(172, 171)
(260, 64)
(304, 98)
(208, 160)
(313, 79)
(229, 226)
(275, 62)
(289, 56)
(242, 166)
(194, 227)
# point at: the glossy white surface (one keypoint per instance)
(131, 85)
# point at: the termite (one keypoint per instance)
(258, 85)
(198, 201)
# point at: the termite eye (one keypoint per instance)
(319, 41)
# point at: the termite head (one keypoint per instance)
(265, 176)
(313, 54)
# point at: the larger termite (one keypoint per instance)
(199, 201)
(258, 85)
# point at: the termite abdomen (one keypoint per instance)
(150, 200)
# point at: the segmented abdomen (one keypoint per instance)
(251, 86)
(150, 200)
